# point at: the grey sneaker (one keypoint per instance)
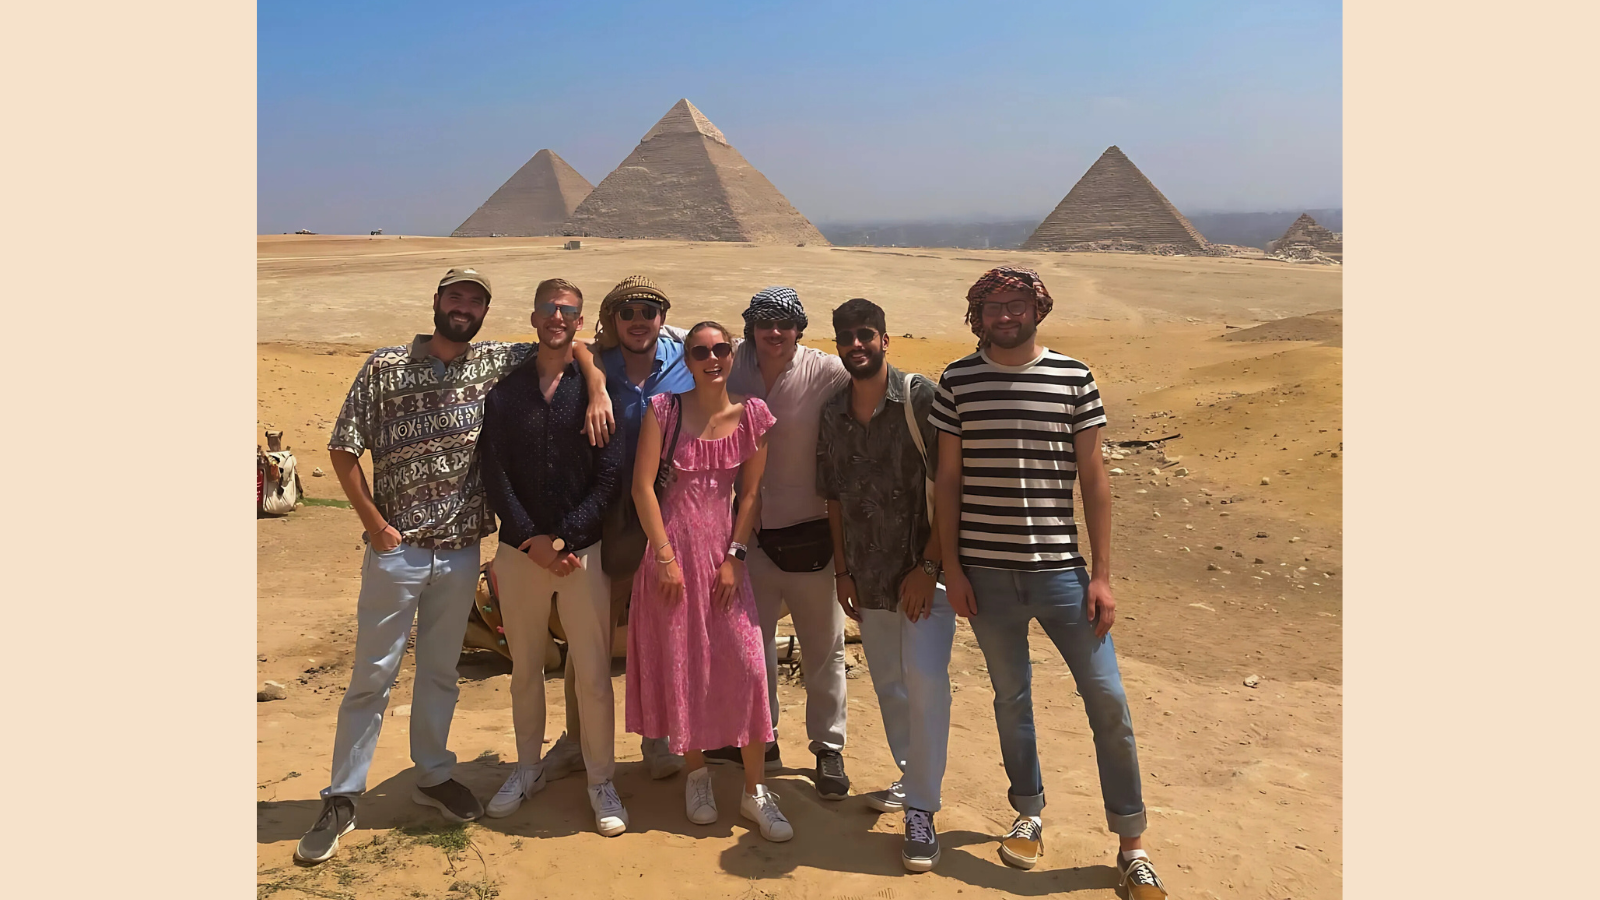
(661, 761)
(564, 757)
(831, 781)
(337, 819)
(890, 800)
(451, 799)
(921, 850)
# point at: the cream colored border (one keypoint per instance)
(1470, 316)
(129, 221)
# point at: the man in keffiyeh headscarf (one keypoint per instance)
(1004, 279)
(775, 304)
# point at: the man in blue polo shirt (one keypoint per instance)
(641, 358)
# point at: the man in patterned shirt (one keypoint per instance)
(418, 410)
(873, 470)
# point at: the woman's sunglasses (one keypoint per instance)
(701, 353)
(648, 313)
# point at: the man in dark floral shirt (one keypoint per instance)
(874, 472)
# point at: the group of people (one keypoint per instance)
(703, 481)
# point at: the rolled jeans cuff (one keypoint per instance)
(1030, 806)
(1130, 826)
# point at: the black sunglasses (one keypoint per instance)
(701, 353)
(648, 313)
(863, 334)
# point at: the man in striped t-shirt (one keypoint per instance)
(1018, 422)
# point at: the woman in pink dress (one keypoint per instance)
(696, 667)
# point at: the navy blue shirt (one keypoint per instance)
(539, 471)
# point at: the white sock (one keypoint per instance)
(1131, 855)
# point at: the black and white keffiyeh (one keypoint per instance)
(774, 304)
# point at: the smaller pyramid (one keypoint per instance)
(685, 182)
(1113, 201)
(1306, 232)
(534, 201)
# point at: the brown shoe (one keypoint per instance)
(451, 799)
(1023, 844)
(1139, 880)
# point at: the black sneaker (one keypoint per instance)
(337, 819)
(451, 799)
(773, 760)
(831, 782)
(921, 850)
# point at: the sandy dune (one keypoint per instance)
(1243, 783)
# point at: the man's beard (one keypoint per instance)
(648, 349)
(1025, 332)
(451, 331)
(559, 341)
(867, 369)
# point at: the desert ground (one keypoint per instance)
(1227, 574)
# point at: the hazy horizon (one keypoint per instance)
(893, 112)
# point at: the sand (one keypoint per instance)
(1243, 784)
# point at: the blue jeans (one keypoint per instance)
(910, 667)
(1007, 601)
(438, 587)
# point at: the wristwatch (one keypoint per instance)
(737, 550)
(931, 567)
(558, 545)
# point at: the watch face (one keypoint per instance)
(558, 544)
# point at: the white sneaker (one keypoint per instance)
(563, 758)
(762, 808)
(525, 781)
(698, 802)
(662, 762)
(610, 817)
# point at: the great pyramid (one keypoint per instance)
(534, 201)
(685, 182)
(1113, 201)
(1305, 231)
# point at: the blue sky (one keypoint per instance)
(407, 116)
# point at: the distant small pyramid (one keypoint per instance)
(1113, 201)
(1305, 230)
(534, 201)
(685, 182)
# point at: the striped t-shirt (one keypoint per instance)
(1018, 464)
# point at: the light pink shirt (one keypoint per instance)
(789, 486)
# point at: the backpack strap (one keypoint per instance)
(922, 448)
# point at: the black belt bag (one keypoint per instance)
(805, 547)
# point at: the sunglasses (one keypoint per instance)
(780, 324)
(550, 308)
(648, 313)
(701, 353)
(864, 335)
(1010, 307)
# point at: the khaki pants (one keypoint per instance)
(582, 598)
(621, 589)
(819, 624)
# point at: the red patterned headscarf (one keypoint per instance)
(1005, 278)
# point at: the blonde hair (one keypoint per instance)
(552, 286)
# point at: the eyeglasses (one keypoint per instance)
(648, 313)
(1010, 307)
(701, 352)
(780, 324)
(550, 308)
(863, 334)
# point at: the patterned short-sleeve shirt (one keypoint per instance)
(419, 417)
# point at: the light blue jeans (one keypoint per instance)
(1007, 601)
(438, 588)
(910, 667)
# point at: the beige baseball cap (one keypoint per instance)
(467, 274)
